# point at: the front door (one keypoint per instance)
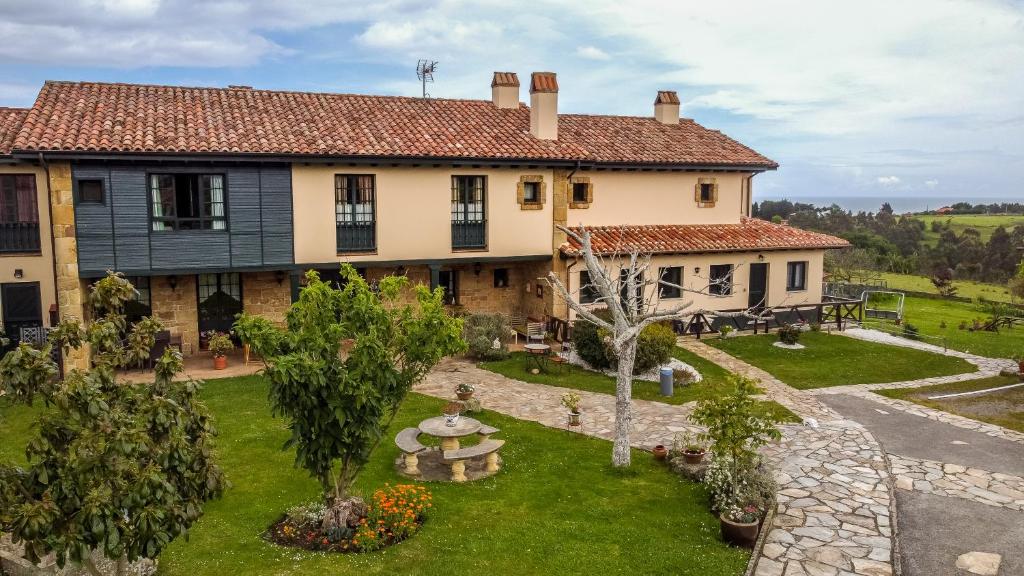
(758, 291)
(22, 308)
(219, 300)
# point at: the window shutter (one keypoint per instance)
(696, 192)
(714, 194)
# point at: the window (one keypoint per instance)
(469, 196)
(531, 192)
(588, 292)
(355, 199)
(90, 191)
(671, 275)
(796, 276)
(449, 281)
(501, 277)
(706, 192)
(142, 306)
(19, 213)
(720, 280)
(579, 192)
(187, 201)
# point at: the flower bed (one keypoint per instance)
(394, 514)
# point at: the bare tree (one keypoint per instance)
(632, 299)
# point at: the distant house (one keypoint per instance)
(944, 210)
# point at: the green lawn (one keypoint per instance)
(928, 315)
(557, 507)
(983, 223)
(965, 288)
(1000, 408)
(714, 383)
(833, 360)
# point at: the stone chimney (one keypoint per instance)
(666, 107)
(505, 90)
(544, 105)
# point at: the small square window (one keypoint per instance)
(579, 192)
(90, 191)
(531, 192)
(707, 192)
(501, 277)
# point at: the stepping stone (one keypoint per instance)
(981, 563)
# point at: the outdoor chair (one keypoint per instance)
(535, 332)
(161, 343)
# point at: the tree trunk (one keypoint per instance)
(623, 404)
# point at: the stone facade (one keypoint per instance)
(71, 291)
(176, 308)
(263, 294)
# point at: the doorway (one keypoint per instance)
(219, 299)
(757, 293)
(22, 308)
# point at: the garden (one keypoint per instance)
(836, 360)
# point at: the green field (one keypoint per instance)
(965, 288)
(983, 223)
(929, 315)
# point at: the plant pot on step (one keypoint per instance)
(660, 452)
(464, 395)
(694, 457)
(220, 362)
(738, 533)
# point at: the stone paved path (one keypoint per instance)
(958, 481)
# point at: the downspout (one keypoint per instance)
(53, 240)
(750, 195)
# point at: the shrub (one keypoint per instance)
(815, 327)
(789, 334)
(480, 332)
(684, 376)
(588, 341)
(653, 347)
(725, 330)
(910, 331)
(221, 344)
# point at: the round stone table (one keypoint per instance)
(449, 435)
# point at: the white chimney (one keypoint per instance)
(666, 107)
(505, 90)
(544, 105)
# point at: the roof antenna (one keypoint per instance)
(425, 73)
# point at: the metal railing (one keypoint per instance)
(19, 237)
(357, 237)
(469, 234)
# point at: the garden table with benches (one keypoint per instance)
(450, 451)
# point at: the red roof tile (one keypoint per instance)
(543, 82)
(132, 118)
(751, 234)
(505, 79)
(667, 97)
(11, 120)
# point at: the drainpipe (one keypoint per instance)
(53, 241)
(750, 194)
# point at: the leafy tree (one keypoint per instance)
(942, 279)
(115, 469)
(341, 368)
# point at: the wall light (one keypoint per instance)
(696, 269)
(760, 257)
(279, 276)
(19, 273)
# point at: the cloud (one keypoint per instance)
(931, 184)
(592, 53)
(888, 180)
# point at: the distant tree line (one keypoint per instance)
(897, 244)
(968, 208)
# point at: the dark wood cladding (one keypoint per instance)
(118, 235)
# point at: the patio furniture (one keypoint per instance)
(537, 355)
(485, 432)
(407, 441)
(487, 448)
(562, 358)
(535, 332)
(517, 324)
(450, 435)
(161, 343)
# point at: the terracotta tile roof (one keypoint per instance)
(543, 82)
(133, 118)
(505, 79)
(667, 97)
(750, 234)
(11, 120)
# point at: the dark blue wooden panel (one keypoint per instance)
(190, 249)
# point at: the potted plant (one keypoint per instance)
(789, 334)
(451, 414)
(571, 401)
(465, 391)
(220, 345)
(725, 331)
(740, 525)
(692, 449)
(660, 452)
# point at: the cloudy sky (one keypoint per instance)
(869, 98)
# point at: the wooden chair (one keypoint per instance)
(517, 324)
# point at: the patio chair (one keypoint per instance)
(562, 358)
(535, 332)
(161, 343)
(517, 324)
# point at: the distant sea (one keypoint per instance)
(900, 204)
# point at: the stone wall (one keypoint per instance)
(176, 309)
(71, 290)
(263, 295)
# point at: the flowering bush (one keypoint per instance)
(465, 388)
(789, 334)
(394, 514)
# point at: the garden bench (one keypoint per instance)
(408, 442)
(485, 432)
(488, 448)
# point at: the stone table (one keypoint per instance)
(449, 435)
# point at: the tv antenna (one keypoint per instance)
(425, 73)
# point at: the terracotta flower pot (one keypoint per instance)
(220, 362)
(464, 395)
(694, 457)
(660, 452)
(738, 533)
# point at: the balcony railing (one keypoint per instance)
(19, 237)
(469, 234)
(360, 237)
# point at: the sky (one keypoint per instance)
(876, 98)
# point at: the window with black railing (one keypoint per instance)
(469, 215)
(355, 204)
(19, 213)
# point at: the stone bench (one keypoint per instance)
(408, 442)
(488, 448)
(486, 431)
